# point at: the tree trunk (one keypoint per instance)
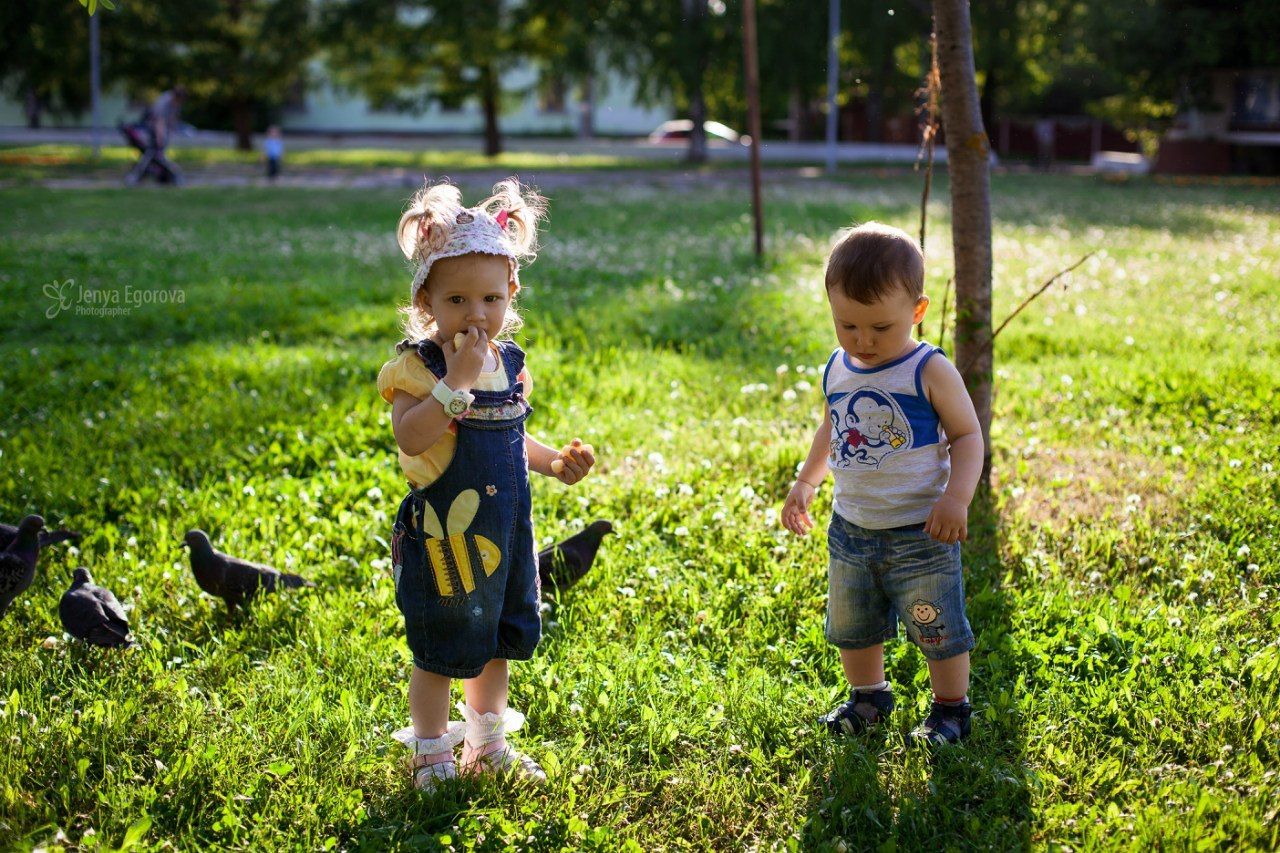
(693, 69)
(241, 114)
(875, 97)
(795, 115)
(698, 133)
(241, 122)
(967, 153)
(988, 103)
(31, 105)
(489, 96)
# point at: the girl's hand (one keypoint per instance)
(948, 522)
(464, 363)
(573, 463)
(795, 512)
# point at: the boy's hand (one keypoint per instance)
(574, 462)
(795, 512)
(948, 522)
(464, 363)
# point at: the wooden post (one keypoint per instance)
(752, 64)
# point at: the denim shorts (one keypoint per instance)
(878, 578)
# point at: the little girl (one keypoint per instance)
(462, 546)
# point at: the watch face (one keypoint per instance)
(456, 406)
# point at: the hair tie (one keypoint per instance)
(501, 218)
(422, 232)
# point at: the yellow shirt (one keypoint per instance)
(407, 373)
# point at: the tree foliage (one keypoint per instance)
(238, 59)
(44, 56)
(408, 54)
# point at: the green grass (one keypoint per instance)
(26, 163)
(1121, 580)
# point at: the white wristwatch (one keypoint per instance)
(455, 403)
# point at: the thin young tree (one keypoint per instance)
(967, 164)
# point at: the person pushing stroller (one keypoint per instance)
(150, 135)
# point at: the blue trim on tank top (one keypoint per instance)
(920, 371)
(894, 363)
(826, 374)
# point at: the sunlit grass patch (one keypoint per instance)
(1126, 665)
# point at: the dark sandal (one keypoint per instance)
(946, 724)
(862, 711)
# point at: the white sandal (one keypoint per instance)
(432, 762)
(485, 749)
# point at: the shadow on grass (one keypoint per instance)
(879, 792)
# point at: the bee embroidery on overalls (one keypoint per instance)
(454, 558)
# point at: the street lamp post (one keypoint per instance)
(95, 83)
(833, 80)
(753, 115)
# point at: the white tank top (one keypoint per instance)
(888, 451)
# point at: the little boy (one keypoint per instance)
(903, 443)
(273, 151)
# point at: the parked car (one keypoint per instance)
(678, 130)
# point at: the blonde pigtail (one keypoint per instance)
(525, 208)
(425, 225)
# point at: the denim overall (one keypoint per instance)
(462, 546)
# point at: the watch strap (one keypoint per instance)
(446, 396)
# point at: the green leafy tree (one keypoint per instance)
(44, 56)
(685, 52)
(406, 54)
(887, 56)
(1155, 54)
(239, 59)
(567, 39)
(793, 62)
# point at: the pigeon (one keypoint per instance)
(91, 613)
(18, 561)
(47, 537)
(564, 564)
(234, 581)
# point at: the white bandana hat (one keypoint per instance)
(475, 231)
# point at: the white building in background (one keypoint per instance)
(530, 107)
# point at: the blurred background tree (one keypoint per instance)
(44, 57)
(408, 54)
(239, 59)
(1133, 62)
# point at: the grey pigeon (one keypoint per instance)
(47, 537)
(91, 613)
(565, 563)
(18, 561)
(233, 580)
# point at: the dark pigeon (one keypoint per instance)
(18, 561)
(47, 537)
(91, 613)
(233, 580)
(564, 564)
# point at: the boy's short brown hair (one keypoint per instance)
(872, 260)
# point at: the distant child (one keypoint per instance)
(903, 443)
(273, 151)
(462, 547)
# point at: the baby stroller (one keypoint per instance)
(152, 161)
